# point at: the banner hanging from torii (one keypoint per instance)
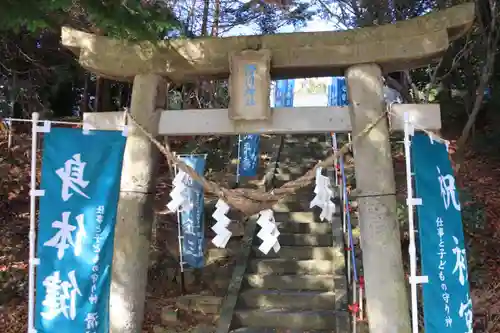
(249, 143)
(337, 92)
(81, 183)
(191, 217)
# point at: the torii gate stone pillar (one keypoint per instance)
(359, 54)
(387, 301)
(135, 208)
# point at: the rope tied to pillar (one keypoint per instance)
(251, 201)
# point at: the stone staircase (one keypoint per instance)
(302, 288)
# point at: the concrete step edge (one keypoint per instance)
(306, 282)
(287, 299)
(285, 266)
(301, 252)
(292, 319)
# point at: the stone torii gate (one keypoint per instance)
(362, 55)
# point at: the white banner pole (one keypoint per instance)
(9, 133)
(32, 236)
(179, 233)
(411, 226)
(238, 165)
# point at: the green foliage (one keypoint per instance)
(268, 18)
(124, 19)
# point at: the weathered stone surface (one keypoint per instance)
(250, 85)
(134, 218)
(385, 283)
(410, 43)
(311, 119)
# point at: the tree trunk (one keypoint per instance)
(215, 25)
(204, 23)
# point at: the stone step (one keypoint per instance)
(305, 240)
(303, 253)
(290, 266)
(287, 299)
(304, 228)
(310, 216)
(273, 330)
(292, 282)
(322, 240)
(214, 254)
(279, 318)
(301, 217)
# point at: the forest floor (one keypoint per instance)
(479, 177)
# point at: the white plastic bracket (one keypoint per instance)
(419, 279)
(125, 130)
(37, 193)
(45, 128)
(86, 128)
(125, 126)
(408, 122)
(431, 137)
(411, 129)
(414, 201)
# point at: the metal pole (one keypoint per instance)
(9, 133)
(347, 223)
(354, 300)
(57, 122)
(238, 165)
(411, 226)
(32, 235)
(181, 242)
(361, 315)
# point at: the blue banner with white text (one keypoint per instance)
(192, 218)
(446, 299)
(81, 179)
(249, 144)
(249, 154)
(284, 93)
(337, 92)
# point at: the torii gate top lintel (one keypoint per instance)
(406, 44)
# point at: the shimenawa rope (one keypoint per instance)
(251, 201)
